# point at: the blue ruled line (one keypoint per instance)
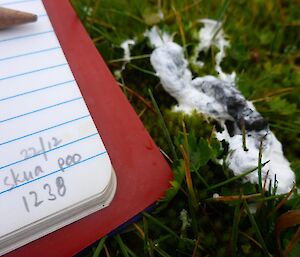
(41, 109)
(43, 130)
(53, 172)
(48, 151)
(18, 2)
(36, 90)
(30, 53)
(33, 71)
(25, 36)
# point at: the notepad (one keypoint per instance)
(54, 168)
(55, 122)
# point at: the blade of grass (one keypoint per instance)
(180, 27)
(235, 197)
(244, 135)
(98, 39)
(103, 33)
(186, 158)
(138, 57)
(270, 187)
(130, 251)
(284, 128)
(141, 113)
(285, 221)
(235, 226)
(202, 179)
(138, 96)
(139, 230)
(193, 203)
(265, 182)
(122, 246)
(251, 239)
(162, 239)
(166, 155)
(221, 12)
(161, 252)
(99, 247)
(146, 238)
(259, 168)
(282, 202)
(234, 178)
(220, 16)
(94, 13)
(148, 246)
(269, 198)
(157, 222)
(170, 231)
(188, 177)
(185, 9)
(275, 185)
(163, 125)
(292, 243)
(125, 13)
(142, 70)
(152, 245)
(106, 251)
(196, 246)
(100, 23)
(193, 217)
(277, 92)
(256, 229)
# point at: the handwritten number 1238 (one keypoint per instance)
(34, 199)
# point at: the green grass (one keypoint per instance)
(265, 43)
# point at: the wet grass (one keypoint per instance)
(191, 220)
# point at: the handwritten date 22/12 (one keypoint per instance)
(44, 148)
(34, 200)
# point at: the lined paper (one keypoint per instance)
(43, 121)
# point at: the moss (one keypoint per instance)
(264, 53)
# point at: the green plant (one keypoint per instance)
(206, 211)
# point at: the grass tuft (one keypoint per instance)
(264, 53)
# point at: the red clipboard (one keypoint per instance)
(143, 175)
